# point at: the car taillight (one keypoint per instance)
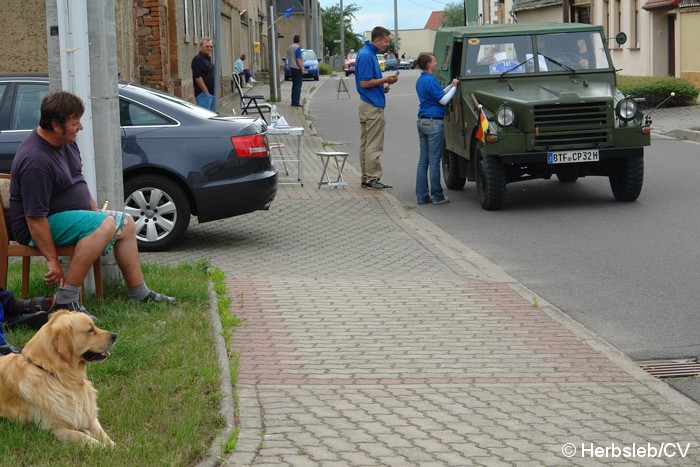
(250, 145)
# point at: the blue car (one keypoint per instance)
(310, 65)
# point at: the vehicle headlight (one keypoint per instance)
(505, 115)
(627, 109)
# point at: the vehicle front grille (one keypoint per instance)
(572, 125)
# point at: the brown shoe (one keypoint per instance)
(33, 305)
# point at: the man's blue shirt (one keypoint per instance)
(366, 68)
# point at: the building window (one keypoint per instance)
(187, 17)
(617, 19)
(634, 26)
(606, 17)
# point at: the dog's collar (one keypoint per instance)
(29, 360)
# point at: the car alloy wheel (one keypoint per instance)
(160, 210)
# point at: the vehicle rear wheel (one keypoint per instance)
(160, 210)
(627, 183)
(450, 171)
(490, 180)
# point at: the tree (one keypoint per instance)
(331, 28)
(453, 14)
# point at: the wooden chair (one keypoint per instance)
(10, 248)
(250, 102)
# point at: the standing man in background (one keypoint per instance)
(296, 65)
(371, 86)
(203, 75)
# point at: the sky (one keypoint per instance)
(412, 14)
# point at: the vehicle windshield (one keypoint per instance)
(561, 52)
(571, 50)
(352, 56)
(308, 55)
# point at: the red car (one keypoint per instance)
(349, 65)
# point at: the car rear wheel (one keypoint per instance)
(490, 180)
(450, 171)
(160, 210)
(627, 183)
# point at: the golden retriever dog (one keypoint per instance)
(47, 383)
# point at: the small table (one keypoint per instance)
(339, 158)
(278, 132)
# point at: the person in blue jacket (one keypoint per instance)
(431, 129)
(371, 86)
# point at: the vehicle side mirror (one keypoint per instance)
(621, 38)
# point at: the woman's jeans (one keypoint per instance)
(430, 136)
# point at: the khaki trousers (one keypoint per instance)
(371, 141)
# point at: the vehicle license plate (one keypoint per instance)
(566, 157)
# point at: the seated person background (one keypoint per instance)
(240, 70)
(50, 205)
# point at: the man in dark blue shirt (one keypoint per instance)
(371, 86)
(203, 75)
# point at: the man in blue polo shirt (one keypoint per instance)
(371, 86)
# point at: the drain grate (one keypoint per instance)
(677, 368)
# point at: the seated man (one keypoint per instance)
(50, 205)
(240, 70)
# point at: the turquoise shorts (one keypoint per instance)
(68, 227)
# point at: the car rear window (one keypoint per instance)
(132, 114)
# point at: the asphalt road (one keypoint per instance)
(626, 271)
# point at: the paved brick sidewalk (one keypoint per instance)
(370, 337)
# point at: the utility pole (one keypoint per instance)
(217, 55)
(274, 65)
(82, 60)
(342, 34)
(396, 28)
(314, 28)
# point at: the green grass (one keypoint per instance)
(158, 392)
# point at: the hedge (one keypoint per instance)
(655, 89)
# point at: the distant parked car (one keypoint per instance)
(406, 63)
(178, 159)
(382, 63)
(349, 65)
(390, 62)
(310, 65)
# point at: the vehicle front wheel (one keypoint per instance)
(315, 77)
(627, 183)
(160, 210)
(450, 171)
(490, 180)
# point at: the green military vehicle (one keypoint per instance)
(536, 100)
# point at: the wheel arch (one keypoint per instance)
(192, 201)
